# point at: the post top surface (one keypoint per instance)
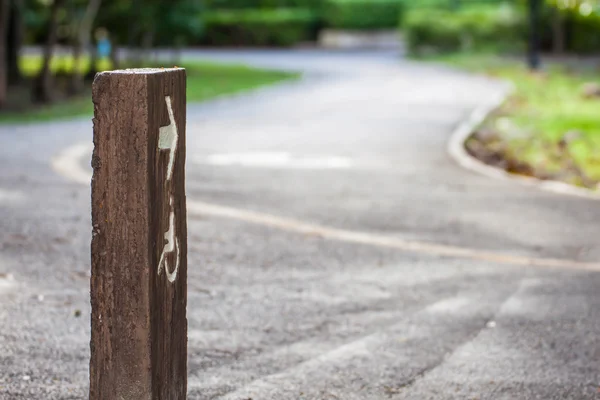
(143, 70)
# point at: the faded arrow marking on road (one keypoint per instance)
(69, 164)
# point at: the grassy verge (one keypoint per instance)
(548, 128)
(204, 81)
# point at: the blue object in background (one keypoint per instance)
(104, 48)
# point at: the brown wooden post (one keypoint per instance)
(139, 244)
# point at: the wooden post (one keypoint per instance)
(139, 244)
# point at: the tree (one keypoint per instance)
(4, 11)
(15, 36)
(43, 90)
(534, 35)
(83, 33)
(560, 11)
(558, 31)
(157, 22)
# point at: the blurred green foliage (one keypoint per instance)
(454, 5)
(500, 26)
(477, 27)
(312, 5)
(172, 22)
(362, 14)
(582, 32)
(446, 25)
(205, 81)
(258, 27)
(544, 109)
(168, 23)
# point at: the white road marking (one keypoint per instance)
(7, 281)
(362, 351)
(199, 208)
(276, 160)
(68, 163)
(449, 305)
(8, 196)
(366, 238)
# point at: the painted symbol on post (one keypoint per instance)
(167, 140)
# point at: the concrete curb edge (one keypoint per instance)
(457, 151)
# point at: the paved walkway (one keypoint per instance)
(307, 203)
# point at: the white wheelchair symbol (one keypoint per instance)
(167, 140)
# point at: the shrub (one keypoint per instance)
(584, 33)
(458, 5)
(494, 27)
(362, 14)
(179, 23)
(280, 27)
(312, 5)
(444, 35)
(472, 28)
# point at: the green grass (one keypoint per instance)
(544, 107)
(204, 81)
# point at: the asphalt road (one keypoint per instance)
(316, 214)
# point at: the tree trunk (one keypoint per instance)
(114, 56)
(93, 63)
(43, 88)
(147, 44)
(76, 82)
(558, 32)
(533, 53)
(16, 30)
(133, 53)
(131, 45)
(4, 11)
(82, 43)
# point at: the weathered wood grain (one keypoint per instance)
(139, 297)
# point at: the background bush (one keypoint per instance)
(580, 32)
(583, 33)
(453, 25)
(455, 5)
(178, 25)
(442, 25)
(421, 35)
(362, 14)
(258, 27)
(312, 5)
(486, 27)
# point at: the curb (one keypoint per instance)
(456, 150)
